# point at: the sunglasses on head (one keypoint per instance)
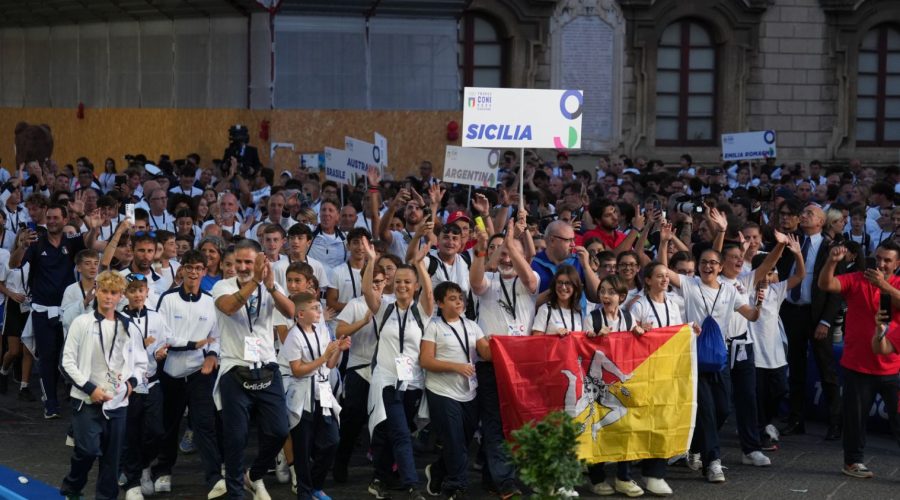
(131, 278)
(151, 234)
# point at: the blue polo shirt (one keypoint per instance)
(52, 268)
(546, 269)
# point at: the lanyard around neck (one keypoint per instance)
(464, 344)
(112, 346)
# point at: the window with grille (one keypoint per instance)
(686, 86)
(878, 88)
(481, 53)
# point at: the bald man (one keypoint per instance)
(229, 218)
(807, 314)
(560, 238)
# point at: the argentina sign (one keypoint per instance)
(522, 118)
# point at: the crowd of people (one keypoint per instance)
(326, 310)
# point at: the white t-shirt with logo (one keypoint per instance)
(449, 347)
(506, 313)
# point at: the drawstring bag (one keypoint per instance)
(712, 355)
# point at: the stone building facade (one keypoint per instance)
(824, 74)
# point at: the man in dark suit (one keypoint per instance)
(246, 155)
(807, 314)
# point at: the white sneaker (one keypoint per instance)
(773, 433)
(628, 488)
(714, 472)
(70, 441)
(694, 462)
(163, 484)
(756, 459)
(147, 482)
(134, 494)
(282, 469)
(219, 490)
(258, 487)
(603, 489)
(658, 486)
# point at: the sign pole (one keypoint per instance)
(469, 199)
(521, 177)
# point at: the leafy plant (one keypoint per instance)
(545, 456)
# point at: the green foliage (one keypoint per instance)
(546, 458)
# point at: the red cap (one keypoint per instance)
(458, 215)
(562, 154)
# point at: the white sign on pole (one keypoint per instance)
(362, 154)
(381, 144)
(336, 166)
(471, 166)
(748, 145)
(311, 161)
(522, 118)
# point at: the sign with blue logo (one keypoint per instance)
(522, 118)
(362, 154)
(748, 145)
(336, 170)
(471, 166)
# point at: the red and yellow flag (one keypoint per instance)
(633, 397)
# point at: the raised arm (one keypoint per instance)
(516, 255)
(384, 230)
(827, 281)
(426, 295)
(666, 235)
(476, 270)
(718, 223)
(373, 299)
(110, 250)
(800, 266)
(772, 258)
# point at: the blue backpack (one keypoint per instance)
(712, 355)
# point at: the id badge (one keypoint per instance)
(473, 382)
(251, 349)
(515, 330)
(326, 397)
(404, 368)
(111, 386)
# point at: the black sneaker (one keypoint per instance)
(457, 495)
(26, 395)
(51, 414)
(768, 444)
(379, 490)
(433, 480)
(415, 494)
(4, 383)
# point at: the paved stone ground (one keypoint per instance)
(806, 467)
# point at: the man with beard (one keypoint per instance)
(143, 249)
(507, 306)
(605, 215)
(249, 377)
(51, 258)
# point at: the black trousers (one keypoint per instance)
(143, 434)
(859, 394)
(800, 326)
(354, 415)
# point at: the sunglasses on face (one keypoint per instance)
(131, 278)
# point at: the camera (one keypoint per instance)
(238, 137)
(689, 205)
(761, 193)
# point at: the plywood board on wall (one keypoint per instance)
(413, 136)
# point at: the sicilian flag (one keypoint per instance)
(632, 397)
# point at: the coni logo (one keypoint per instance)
(573, 133)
